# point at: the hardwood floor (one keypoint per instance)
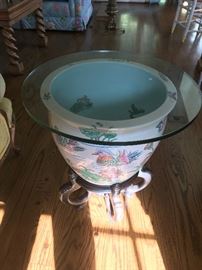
(162, 227)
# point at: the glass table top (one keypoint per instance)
(184, 111)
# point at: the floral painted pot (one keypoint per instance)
(103, 105)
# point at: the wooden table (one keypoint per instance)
(12, 11)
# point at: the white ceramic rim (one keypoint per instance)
(84, 122)
(2, 86)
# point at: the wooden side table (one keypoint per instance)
(12, 11)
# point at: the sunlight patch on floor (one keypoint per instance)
(139, 220)
(126, 20)
(42, 255)
(114, 252)
(128, 244)
(149, 254)
(99, 216)
(2, 211)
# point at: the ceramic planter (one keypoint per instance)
(101, 102)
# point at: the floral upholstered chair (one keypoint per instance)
(7, 127)
(65, 15)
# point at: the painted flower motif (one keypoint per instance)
(81, 104)
(172, 95)
(134, 155)
(68, 144)
(90, 175)
(161, 125)
(46, 96)
(111, 173)
(134, 111)
(123, 157)
(74, 146)
(98, 135)
(56, 7)
(106, 158)
(61, 140)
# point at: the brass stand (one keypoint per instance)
(77, 191)
(112, 11)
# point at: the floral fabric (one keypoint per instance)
(71, 15)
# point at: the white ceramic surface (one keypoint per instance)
(101, 164)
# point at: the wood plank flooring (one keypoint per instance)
(162, 227)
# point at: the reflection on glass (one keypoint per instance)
(184, 112)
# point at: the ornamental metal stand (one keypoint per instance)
(77, 191)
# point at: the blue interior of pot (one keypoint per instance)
(108, 90)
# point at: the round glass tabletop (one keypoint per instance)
(111, 90)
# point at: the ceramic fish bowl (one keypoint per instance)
(107, 103)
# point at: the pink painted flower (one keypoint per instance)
(56, 7)
(111, 173)
(123, 157)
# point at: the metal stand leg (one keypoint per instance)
(67, 191)
(112, 197)
(114, 204)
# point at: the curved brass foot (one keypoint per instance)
(72, 193)
(146, 177)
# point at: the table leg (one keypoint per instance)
(112, 11)
(41, 28)
(15, 65)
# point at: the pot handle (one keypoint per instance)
(66, 191)
(146, 176)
